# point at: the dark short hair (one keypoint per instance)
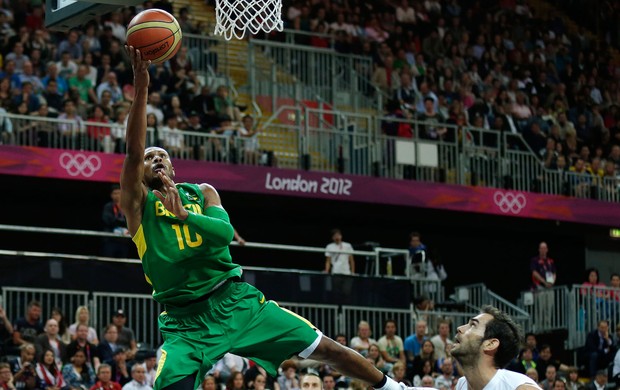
(504, 329)
(34, 304)
(388, 321)
(614, 274)
(334, 231)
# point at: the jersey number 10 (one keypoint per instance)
(184, 237)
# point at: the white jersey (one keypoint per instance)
(340, 261)
(502, 380)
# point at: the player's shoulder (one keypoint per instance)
(512, 380)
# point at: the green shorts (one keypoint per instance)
(236, 318)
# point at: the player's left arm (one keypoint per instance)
(214, 225)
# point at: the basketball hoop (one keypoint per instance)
(236, 17)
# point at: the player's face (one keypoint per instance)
(156, 160)
(468, 340)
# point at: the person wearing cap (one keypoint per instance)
(126, 338)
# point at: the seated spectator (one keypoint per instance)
(138, 381)
(427, 371)
(385, 77)
(362, 341)
(581, 180)
(150, 367)
(77, 373)
(550, 376)
(224, 104)
(26, 329)
(572, 379)
(374, 32)
(49, 373)
(228, 365)
(441, 340)
(398, 373)
(173, 137)
(390, 344)
(81, 344)
(413, 343)
(126, 338)
(82, 316)
(532, 374)
(10, 74)
(545, 358)
(6, 377)
(72, 46)
(83, 85)
(599, 348)
(446, 378)
(374, 356)
(236, 382)
(287, 381)
(67, 68)
(70, 132)
(111, 85)
(18, 57)
(24, 369)
(154, 107)
(107, 347)
(104, 379)
(51, 341)
(28, 76)
(120, 371)
(427, 354)
(599, 382)
(28, 98)
(99, 135)
(209, 383)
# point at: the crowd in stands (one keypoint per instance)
(85, 75)
(487, 64)
(38, 352)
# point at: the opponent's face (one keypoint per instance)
(156, 160)
(469, 337)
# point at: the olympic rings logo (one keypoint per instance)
(80, 164)
(510, 202)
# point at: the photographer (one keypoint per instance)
(23, 368)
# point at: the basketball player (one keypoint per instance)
(483, 347)
(182, 233)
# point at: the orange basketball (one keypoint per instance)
(156, 34)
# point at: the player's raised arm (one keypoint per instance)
(133, 191)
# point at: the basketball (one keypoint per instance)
(156, 34)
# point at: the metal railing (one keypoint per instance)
(352, 315)
(324, 317)
(547, 308)
(299, 37)
(478, 295)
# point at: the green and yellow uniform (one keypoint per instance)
(208, 310)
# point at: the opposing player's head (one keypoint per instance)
(156, 160)
(491, 335)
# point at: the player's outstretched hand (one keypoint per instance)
(172, 200)
(140, 68)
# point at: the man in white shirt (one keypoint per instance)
(339, 263)
(483, 346)
(441, 341)
(138, 381)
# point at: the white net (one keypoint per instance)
(235, 18)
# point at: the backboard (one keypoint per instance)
(63, 15)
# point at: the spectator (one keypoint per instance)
(550, 376)
(51, 341)
(77, 373)
(173, 137)
(70, 45)
(99, 136)
(150, 367)
(248, 135)
(6, 332)
(339, 263)
(413, 343)
(446, 378)
(417, 252)
(70, 132)
(67, 68)
(363, 341)
(153, 107)
(209, 383)
(544, 275)
(287, 381)
(6, 377)
(545, 359)
(28, 98)
(81, 344)
(91, 39)
(398, 373)
(120, 372)
(18, 57)
(111, 85)
(599, 382)
(48, 371)
(108, 346)
(204, 104)
(63, 329)
(390, 344)
(224, 104)
(28, 76)
(228, 365)
(386, 78)
(82, 317)
(83, 85)
(559, 384)
(24, 369)
(126, 338)
(138, 382)
(441, 340)
(114, 221)
(52, 97)
(117, 26)
(532, 373)
(572, 379)
(599, 348)
(26, 329)
(104, 379)
(374, 356)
